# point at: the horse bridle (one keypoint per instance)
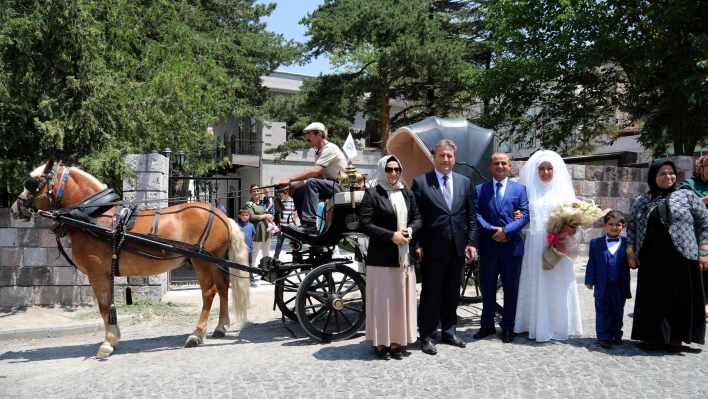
(33, 186)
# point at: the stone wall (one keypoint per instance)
(33, 272)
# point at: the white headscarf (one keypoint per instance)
(559, 189)
(399, 204)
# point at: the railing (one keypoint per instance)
(238, 146)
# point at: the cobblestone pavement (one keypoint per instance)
(264, 361)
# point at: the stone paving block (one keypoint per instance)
(627, 189)
(64, 276)
(136, 162)
(590, 233)
(11, 256)
(9, 237)
(29, 237)
(156, 163)
(55, 258)
(47, 239)
(588, 188)
(25, 278)
(603, 189)
(81, 278)
(610, 173)
(576, 186)
(42, 276)
(57, 295)
(43, 222)
(121, 281)
(614, 189)
(153, 293)
(133, 281)
(594, 173)
(87, 295)
(35, 256)
(578, 172)
(13, 297)
(624, 174)
(22, 223)
(623, 205)
(8, 276)
(4, 218)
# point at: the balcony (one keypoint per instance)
(241, 152)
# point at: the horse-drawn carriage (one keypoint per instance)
(326, 295)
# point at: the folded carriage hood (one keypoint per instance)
(413, 146)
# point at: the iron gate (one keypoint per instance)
(206, 189)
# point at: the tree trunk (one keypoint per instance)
(677, 129)
(385, 115)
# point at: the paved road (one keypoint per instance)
(263, 361)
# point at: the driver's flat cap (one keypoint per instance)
(315, 126)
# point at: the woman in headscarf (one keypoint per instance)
(667, 239)
(699, 184)
(547, 306)
(390, 217)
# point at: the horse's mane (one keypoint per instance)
(40, 170)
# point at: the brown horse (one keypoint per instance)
(184, 223)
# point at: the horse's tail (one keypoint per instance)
(238, 253)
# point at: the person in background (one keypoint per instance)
(390, 218)
(287, 217)
(699, 185)
(667, 240)
(219, 206)
(268, 200)
(260, 219)
(249, 232)
(607, 273)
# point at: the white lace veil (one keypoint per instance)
(559, 189)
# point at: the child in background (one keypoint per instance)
(249, 232)
(268, 203)
(608, 274)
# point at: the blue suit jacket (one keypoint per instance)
(596, 271)
(438, 220)
(489, 215)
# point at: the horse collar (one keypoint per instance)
(62, 183)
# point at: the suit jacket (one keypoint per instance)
(440, 222)
(489, 215)
(597, 269)
(379, 222)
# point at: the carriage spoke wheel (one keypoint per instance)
(331, 302)
(286, 295)
(470, 288)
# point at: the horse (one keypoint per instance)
(54, 186)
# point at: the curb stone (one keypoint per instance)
(57, 331)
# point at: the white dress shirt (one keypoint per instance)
(612, 246)
(441, 182)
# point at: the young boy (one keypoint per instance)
(249, 233)
(608, 273)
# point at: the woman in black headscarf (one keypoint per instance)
(667, 239)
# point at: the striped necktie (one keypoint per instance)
(447, 191)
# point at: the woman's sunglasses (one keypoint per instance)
(391, 170)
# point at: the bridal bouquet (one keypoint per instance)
(573, 214)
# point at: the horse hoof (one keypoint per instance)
(104, 351)
(218, 334)
(192, 342)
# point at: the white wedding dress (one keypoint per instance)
(548, 306)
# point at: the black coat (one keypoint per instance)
(378, 221)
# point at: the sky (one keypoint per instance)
(284, 20)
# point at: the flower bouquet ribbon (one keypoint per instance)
(573, 214)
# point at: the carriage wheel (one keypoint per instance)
(331, 302)
(470, 288)
(286, 295)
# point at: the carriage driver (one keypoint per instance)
(318, 183)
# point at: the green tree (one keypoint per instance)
(91, 81)
(577, 63)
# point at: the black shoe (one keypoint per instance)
(382, 354)
(428, 347)
(673, 348)
(617, 341)
(484, 332)
(453, 340)
(397, 353)
(605, 344)
(507, 336)
(305, 228)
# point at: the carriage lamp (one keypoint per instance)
(350, 176)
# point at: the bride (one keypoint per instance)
(548, 306)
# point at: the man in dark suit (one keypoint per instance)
(446, 203)
(501, 246)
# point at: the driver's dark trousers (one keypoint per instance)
(307, 197)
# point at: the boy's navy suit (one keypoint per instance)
(609, 273)
(500, 258)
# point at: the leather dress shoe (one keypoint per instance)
(382, 354)
(396, 353)
(484, 332)
(605, 344)
(305, 228)
(617, 341)
(507, 336)
(453, 340)
(428, 347)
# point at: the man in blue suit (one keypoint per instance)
(446, 203)
(501, 246)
